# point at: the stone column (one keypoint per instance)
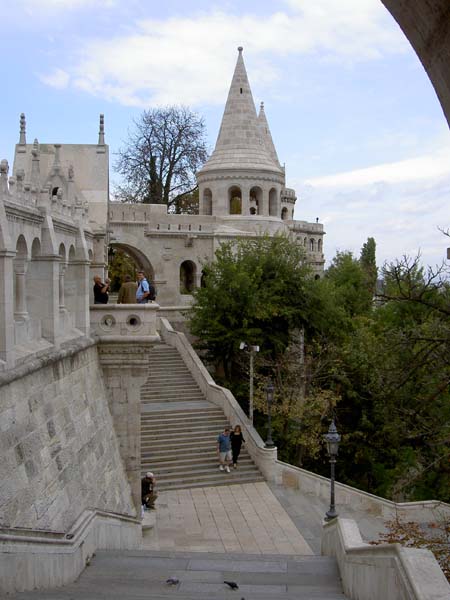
(125, 369)
(62, 270)
(245, 191)
(20, 306)
(81, 273)
(6, 307)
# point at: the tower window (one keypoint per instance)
(241, 90)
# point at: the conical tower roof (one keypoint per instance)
(266, 135)
(240, 144)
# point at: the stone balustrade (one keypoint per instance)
(124, 322)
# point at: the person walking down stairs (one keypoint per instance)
(224, 450)
(237, 439)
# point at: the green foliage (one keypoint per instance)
(381, 367)
(255, 291)
(350, 281)
(119, 265)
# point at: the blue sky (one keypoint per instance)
(352, 112)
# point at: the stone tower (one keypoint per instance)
(243, 175)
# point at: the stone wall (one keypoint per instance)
(59, 450)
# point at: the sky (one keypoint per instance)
(352, 113)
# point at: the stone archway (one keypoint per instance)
(426, 24)
(138, 257)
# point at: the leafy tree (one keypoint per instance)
(350, 281)
(368, 263)
(119, 265)
(161, 156)
(255, 290)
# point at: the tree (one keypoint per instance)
(256, 290)
(368, 263)
(159, 161)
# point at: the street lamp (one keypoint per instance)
(332, 439)
(251, 350)
(269, 393)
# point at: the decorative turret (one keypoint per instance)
(243, 157)
(239, 143)
(266, 135)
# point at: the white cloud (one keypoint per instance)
(428, 166)
(385, 202)
(189, 59)
(58, 79)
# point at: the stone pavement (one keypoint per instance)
(245, 518)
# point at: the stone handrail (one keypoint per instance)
(265, 458)
(311, 483)
(382, 572)
(32, 559)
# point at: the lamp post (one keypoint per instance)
(251, 350)
(269, 393)
(332, 439)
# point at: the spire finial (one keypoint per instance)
(101, 132)
(22, 137)
(262, 105)
(240, 48)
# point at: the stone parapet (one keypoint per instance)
(319, 486)
(124, 322)
(37, 559)
(382, 572)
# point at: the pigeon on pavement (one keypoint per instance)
(172, 581)
(233, 585)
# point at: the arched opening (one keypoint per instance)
(284, 213)
(207, 202)
(255, 200)
(273, 210)
(187, 277)
(124, 259)
(312, 245)
(235, 200)
(319, 245)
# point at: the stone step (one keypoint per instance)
(165, 470)
(173, 413)
(182, 432)
(206, 460)
(173, 381)
(170, 389)
(148, 421)
(188, 427)
(153, 437)
(181, 396)
(208, 480)
(149, 441)
(141, 575)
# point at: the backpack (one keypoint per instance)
(152, 292)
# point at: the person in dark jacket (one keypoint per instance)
(148, 493)
(237, 439)
(100, 290)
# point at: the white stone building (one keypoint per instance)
(242, 193)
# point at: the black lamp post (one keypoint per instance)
(269, 393)
(332, 439)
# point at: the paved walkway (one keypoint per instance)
(244, 518)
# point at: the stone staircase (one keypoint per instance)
(140, 574)
(179, 429)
